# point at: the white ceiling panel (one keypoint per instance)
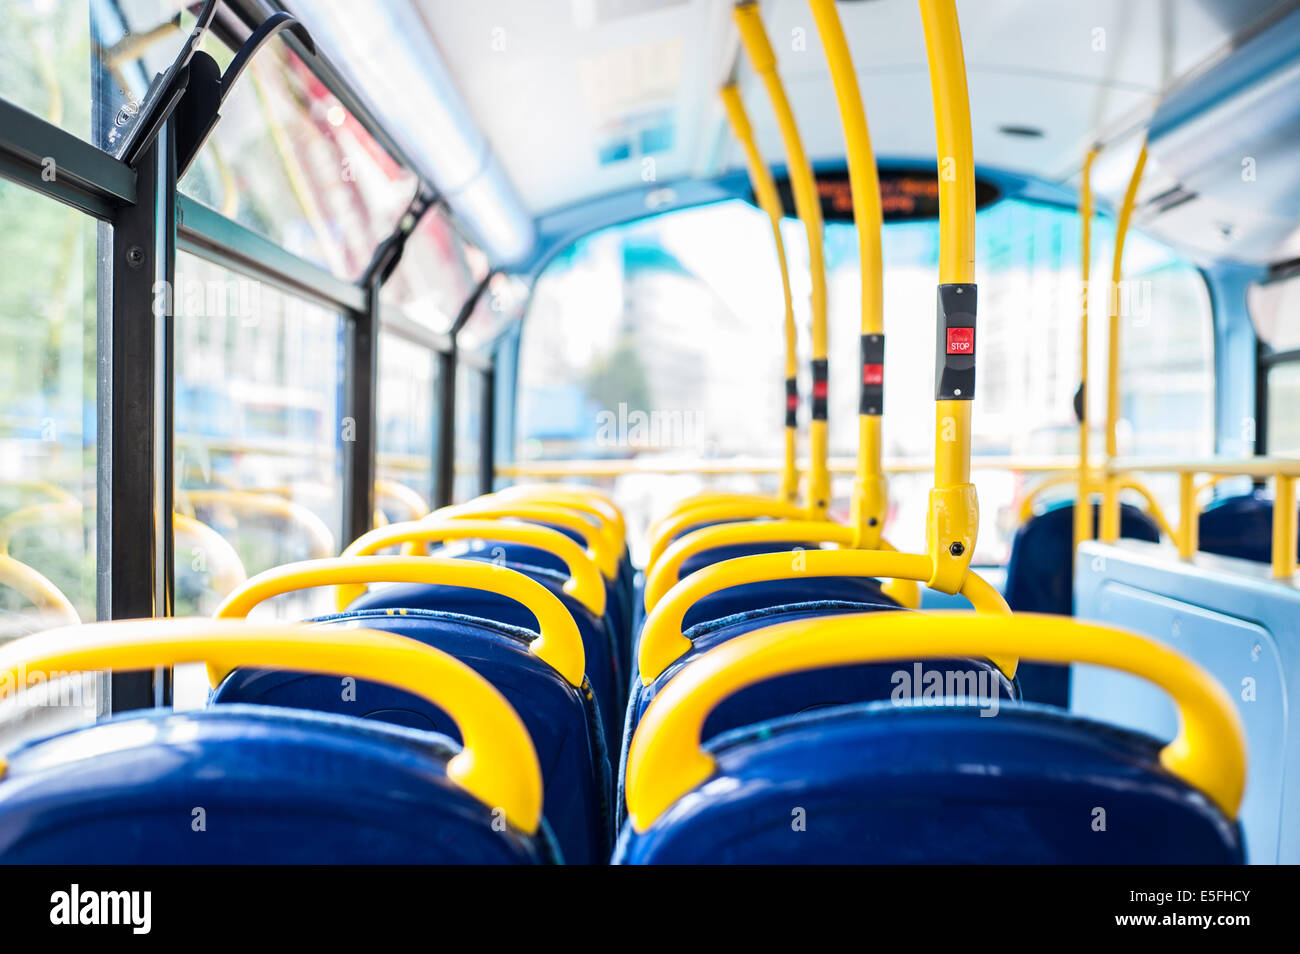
(576, 95)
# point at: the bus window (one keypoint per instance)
(48, 333)
(47, 45)
(499, 305)
(469, 432)
(662, 339)
(1027, 267)
(258, 429)
(1283, 399)
(436, 275)
(288, 160)
(1275, 312)
(407, 380)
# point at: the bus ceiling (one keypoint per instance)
(602, 113)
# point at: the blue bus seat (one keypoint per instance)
(795, 692)
(274, 787)
(749, 597)
(607, 677)
(563, 722)
(522, 557)
(884, 784)
(730, 552)
(1040, 580)
(1239, 526)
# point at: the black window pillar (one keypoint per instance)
(361, 346)
(136, 360)
(445, 483)
(487, 435)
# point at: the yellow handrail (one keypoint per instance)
(592, 467)
(667, 572)
(227, 570)
(498, 764)
(1096, 483)
(760, 179)
(585, 583)
(1082, 513)
(953, 519)
(1110, 497)
(600, 545)
(587, 500)
(870, 491)
(559, 644)
(708, 498)
(256, 503)
(33, 586)
(662, 640)
(416, 506)
(666, 761)
(36, 515)
(728, 511)
(753, 36)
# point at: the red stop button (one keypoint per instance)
(961, 340)
(873, 374)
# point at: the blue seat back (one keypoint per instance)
(248, 785)
(1239, 526)
(803, 691)
(1040, 580)
(603, 667)
(882, 784)
(749, 597)
(564, 723)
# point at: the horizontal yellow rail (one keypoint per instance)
(596, 467)
(1228, 467)
(1282, 470)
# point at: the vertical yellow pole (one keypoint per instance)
(1083, 498)
(1284, 527)
(953, 519)
(870, 491)
(760, 177)
(1188, 531)
(1110, 521)
(753, 36)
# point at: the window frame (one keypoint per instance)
(143, 223)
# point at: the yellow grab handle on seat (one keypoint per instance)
(408, 498)
(724, 512)
(577, 497)
(32, 585)
(227, 570)
(584, 584)
(498, 764)
(559, 643)
(666, 572)
(266, 504)
(708, 498)
(600, 546)
(662, 641)
(666, 760)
